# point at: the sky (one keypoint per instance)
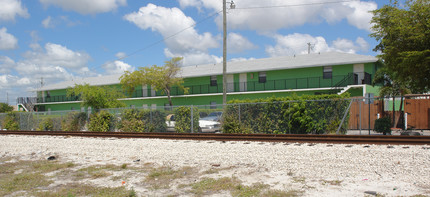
(44, 42)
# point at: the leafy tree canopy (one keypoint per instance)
(4, 107)
(161, 78)
(403, 33)
(97, 97)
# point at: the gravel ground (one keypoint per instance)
(387, 170)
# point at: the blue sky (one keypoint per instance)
(61, 40)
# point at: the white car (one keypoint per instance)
(207, 124)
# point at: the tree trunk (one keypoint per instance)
(168, 96)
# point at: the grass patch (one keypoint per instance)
(299, 179)
(160, 178)
(86, 190)
(27, 175)
(209, 186)
(93, 172)
(332, 182)
(253, 190)
(22, 182)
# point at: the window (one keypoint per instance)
(213, 105)
(213, 81)
(262, 77)
(327, 72)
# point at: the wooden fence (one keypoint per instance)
(417, 108)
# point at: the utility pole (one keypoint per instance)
(224, 53)
(309, 47)
(224, 50)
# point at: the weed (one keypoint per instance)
(210, 185)
(332, 182)
(160, 178)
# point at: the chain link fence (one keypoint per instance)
(289, 117)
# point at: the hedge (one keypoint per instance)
(133, 120)
(183, 119)
(315, 114)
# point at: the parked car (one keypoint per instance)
(208, 124)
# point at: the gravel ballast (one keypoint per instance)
(397, 170)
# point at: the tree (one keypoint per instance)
(97, 97)
(391, 88)
(4, 107)
(161, 78)
(404, 42)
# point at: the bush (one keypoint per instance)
(46, 125)
(315, 114)
(101, 121)
(183, 119)
(133, 120)
(11, 121)
(74, 121)
(383, 125)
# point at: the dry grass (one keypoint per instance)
(161, 178)
(85, 190)
(27, 175)
(52, 178)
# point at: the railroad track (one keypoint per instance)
(298, 138)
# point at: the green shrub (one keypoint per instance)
(46, 124)
(315, 114)
(183, 119)
(101, 121)
(11, 121)
(133, 120)
(74, 121)
(383, 125)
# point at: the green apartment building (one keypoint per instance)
(318, 73)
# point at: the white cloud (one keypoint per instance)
(345, 45)
(54, 63)
(47, 22)
(7, 41)
(120, 55)
(360, 16)
(287, 14)
(9, 9)
(6, 64)
(117, 67)
(294, 44)
(236, 43)
(194, 58)
(52, 22)
(167, 21)
(85, 6)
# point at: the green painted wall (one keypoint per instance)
(276, 80)
(63, 106)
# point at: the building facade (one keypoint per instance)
(321, 73)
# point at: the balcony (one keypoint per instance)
(282, 84)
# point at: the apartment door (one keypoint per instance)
(230, 83)
(242, 82)
(144, 91)
(359, 70)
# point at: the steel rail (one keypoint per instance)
(297, 138)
